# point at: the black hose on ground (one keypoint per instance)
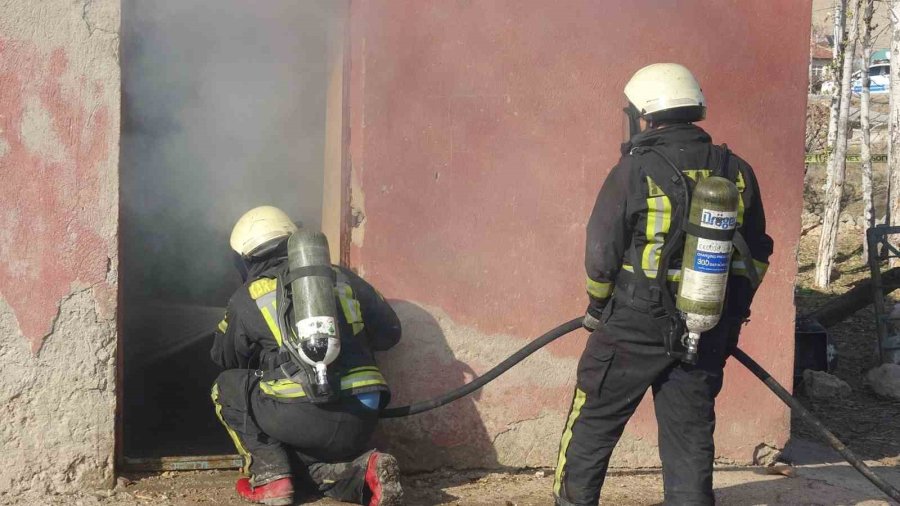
(487, 377)
(809, 418)
(739, 354)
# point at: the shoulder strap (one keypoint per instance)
(725, 170)
(723, 167)
(671, 181)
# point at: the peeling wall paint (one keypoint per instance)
(480, 135)
(59, 133)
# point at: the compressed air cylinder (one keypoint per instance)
(315, 332)
(706, 260)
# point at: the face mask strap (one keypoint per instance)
(634, 117)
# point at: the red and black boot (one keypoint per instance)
(274, 493)
(383, 480)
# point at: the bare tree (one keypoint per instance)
(865, 126)
(840, 19)
(894, 120)
(837, 162)
(839, 49)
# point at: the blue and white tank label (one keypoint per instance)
(705, 277)
(719, 220)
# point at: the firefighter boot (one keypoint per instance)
(274, 493)
(383, 480)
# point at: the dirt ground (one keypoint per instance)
(828, 484)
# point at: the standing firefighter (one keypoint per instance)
(301, 391)
(665, 220)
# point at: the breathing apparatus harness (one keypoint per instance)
(685, 324)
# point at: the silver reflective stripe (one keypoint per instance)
(268, 307)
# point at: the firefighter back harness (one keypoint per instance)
(707, 235)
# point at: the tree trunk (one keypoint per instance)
(893, 214)
(837, 164)
(837, 309)
(837, 52)
(865, 127)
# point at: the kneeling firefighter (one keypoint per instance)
(301, 391)
(676, 247)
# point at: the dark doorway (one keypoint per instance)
(225, 105)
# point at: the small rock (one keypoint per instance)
(766, 455)
(821, 385)
(885, 380)
(783, 470)
(122, 482)
(891, 461)
(540, 474)
(168, 474)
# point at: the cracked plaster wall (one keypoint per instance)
(59, 138)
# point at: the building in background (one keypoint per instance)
(464, 143)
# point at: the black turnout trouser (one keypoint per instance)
(622, 359)
(325, 445)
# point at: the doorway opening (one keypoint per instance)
(226, 105)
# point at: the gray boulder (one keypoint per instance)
(821, 385)
(885, 380)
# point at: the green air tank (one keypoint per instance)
(707, 257)
(314, 337)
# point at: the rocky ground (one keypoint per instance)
(820, 484)
(867, 423)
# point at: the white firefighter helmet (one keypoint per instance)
(666, 91)
(260, 226)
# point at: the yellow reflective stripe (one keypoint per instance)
(659, 219)
(234, 437)
(672, 275)
(352, 380)
(360, 384)
(761, 268)
(282, 388)
(268, 306)
(654, 190)
(350, 307)
(356, 378)
(223, 325)
(739, 268)
(261, 287)
(597, 289)
(577, 403)
(364, 368)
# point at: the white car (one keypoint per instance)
(879, 79)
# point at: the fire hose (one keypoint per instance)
(743, 358)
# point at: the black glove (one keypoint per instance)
(593, 315)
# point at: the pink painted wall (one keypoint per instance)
(480, 135)
(59, 147)
(52, 224)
